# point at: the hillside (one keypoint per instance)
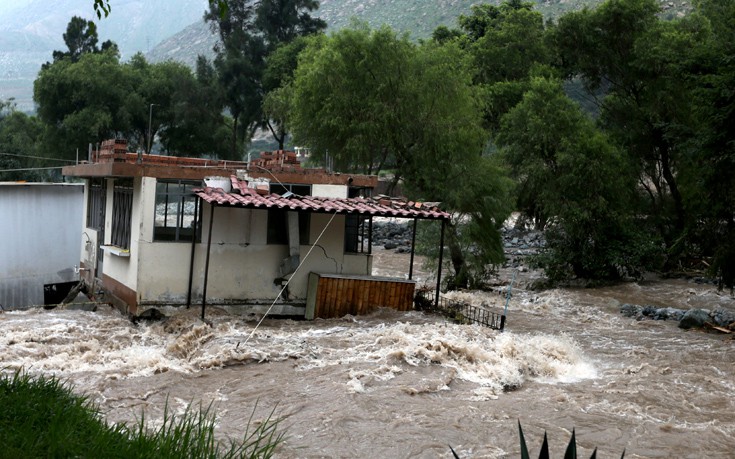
(30, 30)
(166, 29)
(418, 18)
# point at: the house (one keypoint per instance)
(39, 225)
(165, 230)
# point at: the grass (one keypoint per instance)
(42, 417)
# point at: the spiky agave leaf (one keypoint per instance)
(544, 454)
(571, 452)
(524, 449)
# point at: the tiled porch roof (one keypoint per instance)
(382, 206)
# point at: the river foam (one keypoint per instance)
(377, 349)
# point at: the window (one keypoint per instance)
(177, 208)
(96, 201)
(278, 227)
(282, 188)
(122, 213)
(357, 231)
(359, 192)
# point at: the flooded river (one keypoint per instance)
(408, 385)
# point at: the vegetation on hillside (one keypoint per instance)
(638, 177)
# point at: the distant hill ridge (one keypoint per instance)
(419, 18)
(30, 30)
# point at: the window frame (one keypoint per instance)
(181, 195)
(358, 230)
(122, 213)
(96, 203)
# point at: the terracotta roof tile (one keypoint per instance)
(246, 197)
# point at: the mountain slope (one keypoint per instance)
(30, 30)
(418, 18)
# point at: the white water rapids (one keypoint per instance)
(395, 385)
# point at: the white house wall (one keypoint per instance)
(243, 267)
(125, 269)
(39, 239)
(329, 191)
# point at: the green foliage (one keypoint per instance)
(371, 98)
(249, 32)
(20, 139)
(582, 187)
(81, 101)
(505, 42)
(93, 97)
(42, 417)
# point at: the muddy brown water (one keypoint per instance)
(408, 385)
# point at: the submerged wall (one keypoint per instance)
(39, 239)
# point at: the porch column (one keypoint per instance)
(193, 246)
(439, 271)
(206, 263)
(413, 249)
(370, 235)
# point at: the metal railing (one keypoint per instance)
(460, 312)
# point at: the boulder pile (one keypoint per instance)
(517, 243)
(687, 318)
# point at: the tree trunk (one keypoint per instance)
(234, 136)
(461, 279)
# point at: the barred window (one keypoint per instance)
(357, 228)
(96, 200)
(177, 208)
(122, 213)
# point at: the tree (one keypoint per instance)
(20, 138)
(417, 112)
(249, 32)
(282, 21)
(714, 108)
(277, 79)
(81, 38)
(533, 134)
(643, 64)
(197, 124)
(82, 102)
(583, 186)
(506, 42)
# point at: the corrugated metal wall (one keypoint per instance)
(40, 239)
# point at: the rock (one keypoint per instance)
(722, 317)
(630, 310)
(390, 246)
(694, 318)
(668, 313)
(649, 311)
(151, 314)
